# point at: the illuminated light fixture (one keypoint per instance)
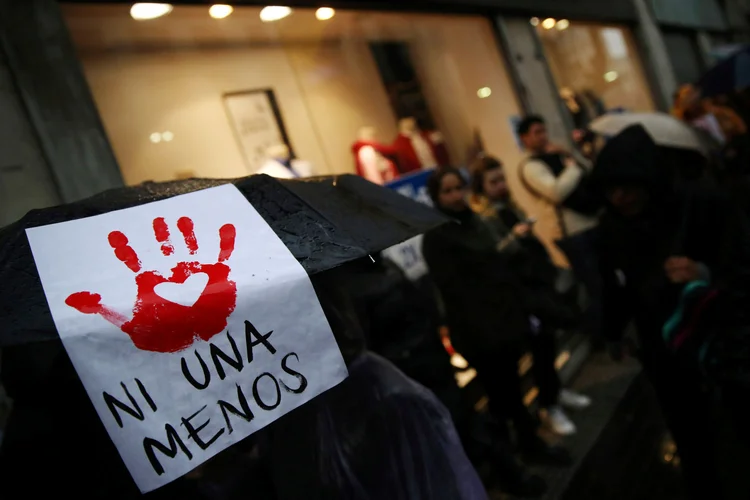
(611, 76)
(534, 21)
(220, 11)
(144, 11)
(167, 136)
(484, 92)
(274, 13)
(563, 24)
(549, 23)
(325, 13)
(155, 137)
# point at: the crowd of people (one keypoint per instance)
(656, 238)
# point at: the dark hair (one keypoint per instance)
(435, 182)
(479, 168)
(340, 311)
(525, 125)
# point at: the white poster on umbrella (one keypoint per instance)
(176, 316)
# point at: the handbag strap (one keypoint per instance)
(539, 196)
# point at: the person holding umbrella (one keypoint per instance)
(346, 442)
(661, 231)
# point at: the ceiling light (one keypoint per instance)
(167, 136)
(144, 11)
(611, 76)
(534, 21)
(548, 23)
(563, 24)
(484, 92)
(155, 137)
(274, 13)
(220, 11)
(325, 13)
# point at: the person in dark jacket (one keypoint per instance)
(376, 435)
(401, 321)
(529, 259)
(487, 317)
(658, 234)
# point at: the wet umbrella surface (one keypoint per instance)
(324, 222)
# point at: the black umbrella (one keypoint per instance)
(325, 222)
(636, 155)
(54, 442)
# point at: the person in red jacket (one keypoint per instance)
(417, 149)
(373, 160)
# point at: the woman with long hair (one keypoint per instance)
(537, 274)
(485, 310)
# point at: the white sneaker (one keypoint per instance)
(556, 419)
(573, 400)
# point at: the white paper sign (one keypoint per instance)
(190, 324)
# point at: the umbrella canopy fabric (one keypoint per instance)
(665, 130)
(730, 75)
(324, 222)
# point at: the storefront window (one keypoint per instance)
(596, 68)
(209, 93)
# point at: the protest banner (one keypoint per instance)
(177, 316)
(408, 255)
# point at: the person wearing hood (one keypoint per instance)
(660, 232)
(487, 317)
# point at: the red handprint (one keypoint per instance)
(158, 324)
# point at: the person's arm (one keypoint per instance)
(368, 157)
(509, 244)
(555, 189)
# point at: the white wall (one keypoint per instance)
(456, 57)
(326, 92)
(342, 88)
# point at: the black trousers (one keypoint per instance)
(584, 261)
(497, 370)
(544, 350)
(687, 410)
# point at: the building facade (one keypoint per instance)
(101, 99)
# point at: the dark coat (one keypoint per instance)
(683, 217)
(378, 435)
(527, 256)
(400, 321)
(633, 254)
(54, 442)
(478, 289)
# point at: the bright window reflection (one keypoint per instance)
(145, 11)
(229, 94)
(596, 69)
